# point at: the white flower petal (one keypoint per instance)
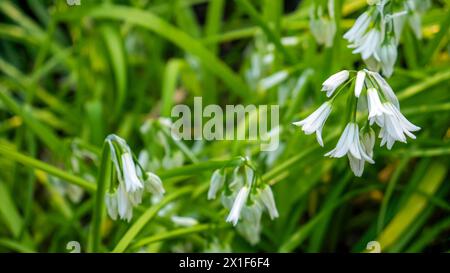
(216, 183)
(315, 121)
(132, 182)
(266, 196)
(360, 76)
(334, 81)
(238, 204)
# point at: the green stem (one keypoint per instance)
(99, 207)
(177, 233)
(194, 169)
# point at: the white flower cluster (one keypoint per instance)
(376, 32)
(371, 93)
(245, 197)
(322, 22)
(132, 181)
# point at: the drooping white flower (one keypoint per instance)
(244, 204)
(323, 30)
(252, 213)
(385, 88)
(249, 175)
(374, 104)
(227, 200)
(356, 165)
(386, 138)
(323, 26)
(135, 197)
(132, 182)
(395, 127)
(398, 21)
(349, 143)
(356, 32)
(334, 81)
(387, 55)
(238, 204)
(315, 121)
(368, 44)
(359, 83)
(415, 22)
(250, 225)
(154, 185)
(216, 183)
(368, 142)
(266, 197)
(416, 8)
(111, 205)
(124, 204)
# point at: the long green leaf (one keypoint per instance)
(154, 23)
(431, 181)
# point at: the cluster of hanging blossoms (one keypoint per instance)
(376, 32)
(375, 98)
(245, 195)
(132, 181)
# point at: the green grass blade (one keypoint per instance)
(171, 73)
(145, 218)
(9, 213)
(153, 23)
(34, 163)
(432, 179)
(117, 58)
